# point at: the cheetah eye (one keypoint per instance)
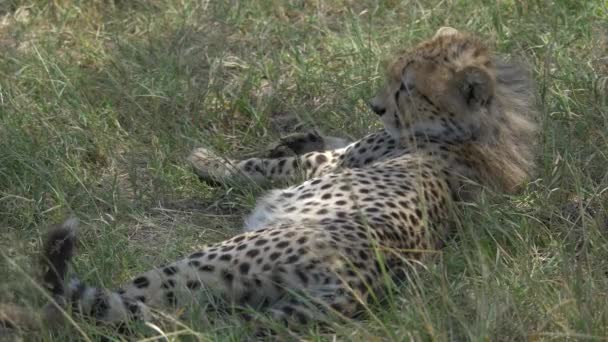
(407, 82)
(377, 109)
(406, 88)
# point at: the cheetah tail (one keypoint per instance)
(98, 303)
(58, 250)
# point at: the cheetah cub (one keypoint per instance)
(454, 114)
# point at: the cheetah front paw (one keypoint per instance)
(297, 144)
(209, 166)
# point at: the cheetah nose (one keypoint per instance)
(377, 109)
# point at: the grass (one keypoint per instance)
(100, 102)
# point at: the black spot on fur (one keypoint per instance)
(252, 253)
(321, 158)
(305, 196)
(100, 306)
(133, 308)
(197, 255)
(141, 282)
(206, 268)
(244, 268)
(302, 276)
(413, 219)
(345, 188)
(287, 194)
(193, 284)
(260, 242)
(227, 248)
(170, 270)
(292, 259)
(77, 295)
(227, 276)
(171, 298)
(170, 283)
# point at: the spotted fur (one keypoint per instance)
(454, 114)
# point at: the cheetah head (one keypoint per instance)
(452, 88)
(441, 88)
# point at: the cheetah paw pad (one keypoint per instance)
(209, 166)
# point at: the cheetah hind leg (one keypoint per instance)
(327, 304)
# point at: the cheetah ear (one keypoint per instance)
(471, 88)
(446, 31)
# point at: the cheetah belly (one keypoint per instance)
(375, 191)
(296, 204)
(311, 201)
(263, 214)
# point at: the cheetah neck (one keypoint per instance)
(446, 131)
